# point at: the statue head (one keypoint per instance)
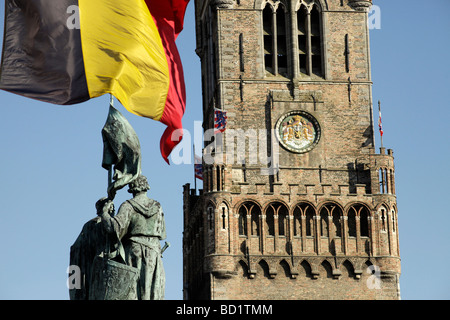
(100, 204)
(138, 185)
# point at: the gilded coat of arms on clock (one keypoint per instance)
(298, 131)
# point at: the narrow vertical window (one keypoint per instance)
(241, 53)
(255, 213)
(219, 178)
(268, 38)
(364, 222)
(210, 178)
(324, 223)
(242, 221)
(383, 220)
(298, 221)
(309, 223)
(210, 218)
(382, 181)
(316, 42)
(393, 221)
(386, 181)
(391, 180)
(282, 56)
(302, 38)
(282, 221)
(352, 222)
(270, 221)
(224, 218)
(337, 223)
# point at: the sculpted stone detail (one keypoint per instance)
(361, 5)
(222, 4)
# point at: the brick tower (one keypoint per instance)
(296, 202)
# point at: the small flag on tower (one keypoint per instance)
(380, 124)
(220, 121)
(198, 167)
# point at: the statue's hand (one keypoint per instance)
(108, 207)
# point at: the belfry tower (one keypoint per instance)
(306, 207)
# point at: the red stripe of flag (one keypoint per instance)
(169, 18)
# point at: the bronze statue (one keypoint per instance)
(140, 226)
(120, 256)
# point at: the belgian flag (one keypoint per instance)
(68, 51)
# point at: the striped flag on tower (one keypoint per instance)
(198, 167)
(220, 121)
(380, 123)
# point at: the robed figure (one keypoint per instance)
(92, 242)
(140, 226)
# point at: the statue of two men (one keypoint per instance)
(115, 246)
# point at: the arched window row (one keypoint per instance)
(305, 38)
(328, 221)
(310, 269)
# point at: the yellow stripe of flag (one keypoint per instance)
(123, 55)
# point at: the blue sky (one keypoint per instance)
(50, 162)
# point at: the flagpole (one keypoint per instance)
(195, 176)
(110, 170)
(379, 119)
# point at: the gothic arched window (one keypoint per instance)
(309, 32)
(300, 211)
(358, 210)
(252, 210)
(275, 39)
(276, 209)
(334, 229)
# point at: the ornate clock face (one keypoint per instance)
(298, 131)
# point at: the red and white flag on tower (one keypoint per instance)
(380, 123)
(198, 167)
